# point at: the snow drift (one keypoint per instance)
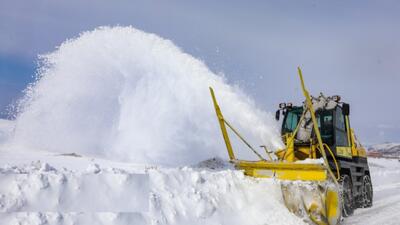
(128, 95)
(38, 193)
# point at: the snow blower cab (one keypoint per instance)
(333, 124)
(321, 154)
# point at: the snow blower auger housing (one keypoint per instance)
(321, 154)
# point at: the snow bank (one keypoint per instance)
(127, 95)
(75, 218)
(39, 193)
(192, 196)
(39, 187)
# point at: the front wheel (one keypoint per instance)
(347, 195)
(367, 192)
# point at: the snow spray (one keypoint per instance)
(124, 94)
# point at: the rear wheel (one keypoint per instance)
(367, 192)
(347, 195)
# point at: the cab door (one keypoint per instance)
(343, 147)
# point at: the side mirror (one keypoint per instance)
(277, 115)
(346, 109)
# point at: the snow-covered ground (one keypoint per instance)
(48, 188)
(385, 175)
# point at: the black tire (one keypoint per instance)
(367, 192)
(347, 195)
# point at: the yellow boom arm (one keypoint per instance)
(315, 124)
(222, 126)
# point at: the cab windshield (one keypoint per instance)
(291, 119)
(324, 118)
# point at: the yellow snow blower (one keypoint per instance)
(323, 169)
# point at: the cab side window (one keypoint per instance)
(326, 117)
(340, 128)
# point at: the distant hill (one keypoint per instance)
(384, 150)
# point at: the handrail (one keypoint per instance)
(291, 136)
(334, 159)
(266, 151)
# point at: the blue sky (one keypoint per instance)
(351, 48)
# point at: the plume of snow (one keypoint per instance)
(124, 94)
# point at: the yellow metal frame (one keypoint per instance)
(283, 170)
(352, 150)
(356, 150)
